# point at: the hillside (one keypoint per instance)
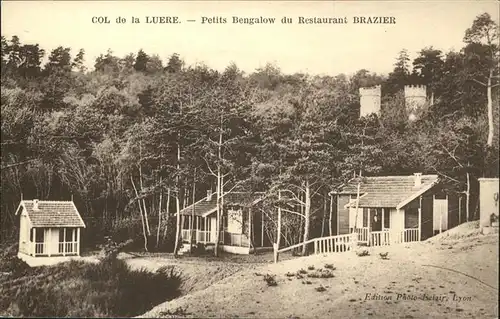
(470, 272)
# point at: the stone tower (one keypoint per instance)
(415, 96)
(370, 98)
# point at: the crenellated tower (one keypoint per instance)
(415, 96)
(370, 99)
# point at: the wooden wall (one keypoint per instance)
(343, 214)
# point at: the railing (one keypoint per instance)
(380, 238)
(334, 244)
(203, 236)
(68, 248)
(39, 249)
(410, 235)
(363, 234)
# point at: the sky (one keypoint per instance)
(316, 49)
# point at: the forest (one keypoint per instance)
(137, 138)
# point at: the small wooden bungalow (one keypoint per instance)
(49, 231)
(394, 209)
(243, 227)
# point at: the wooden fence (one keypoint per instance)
(332, 244)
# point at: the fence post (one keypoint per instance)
(275, 250)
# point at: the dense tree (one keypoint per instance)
(133, 140)
(483, 53)
(141, 61)
(400, 76)
(428, 69)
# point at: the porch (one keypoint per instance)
(208, 237)
(385, 226)
(234, 236)
(386, 237)
(51, 242)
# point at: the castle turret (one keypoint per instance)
(370, 98)
(415, 96)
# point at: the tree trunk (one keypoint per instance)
(142, 187)
(177, 202)
(467, 197)
(142, 217)
(167, 213)
(159, 219)
(278, 227)
(307, 216)
(357, 206)
(193, 236)
(331, 217)
(324, 216)
(219, 192)
(489, 143)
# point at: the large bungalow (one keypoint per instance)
(394, 209)
(243, 227)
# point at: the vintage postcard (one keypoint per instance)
(249, 159)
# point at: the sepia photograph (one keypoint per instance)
(249, 159)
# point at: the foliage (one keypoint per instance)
(79, 289)
(362, 252)
(125, 138)
(270, 280)
(321, 273)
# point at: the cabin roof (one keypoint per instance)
(387, 191)
(204, 207)
(53, 214)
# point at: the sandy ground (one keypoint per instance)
(410, 284)
(200, 272)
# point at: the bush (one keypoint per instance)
(363, 252)
(270, 280)
(79, 289)
(13, 266)
(321, 273)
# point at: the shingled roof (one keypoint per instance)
(205, 207)
(52, 214)
(387, 191)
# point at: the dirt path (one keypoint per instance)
(362, 286)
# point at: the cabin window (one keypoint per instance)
(31, 234)
(387, 217)
(69, 234)
(365, 217)
(66, 234)
(39, 237)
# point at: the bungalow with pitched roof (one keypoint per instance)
(49, 231)
(242, 227)
(394, 209)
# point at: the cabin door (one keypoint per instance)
(440, 219)
(40, 245)
(376, 217)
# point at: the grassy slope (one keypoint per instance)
(245, 294)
